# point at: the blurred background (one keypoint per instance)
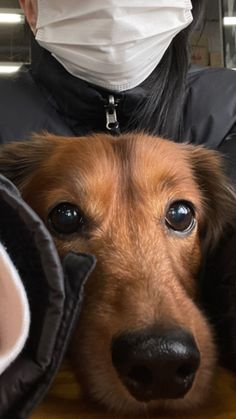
(213, 44)
(14, 37)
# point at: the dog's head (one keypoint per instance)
(148, 209)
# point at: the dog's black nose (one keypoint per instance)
(156, 364)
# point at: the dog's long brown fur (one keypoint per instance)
(145, 274)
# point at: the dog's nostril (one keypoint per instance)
(141, 375)
(185, 371)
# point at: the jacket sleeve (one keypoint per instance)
(25, 109)
(210, 106)
(54, 302)
(210, 120)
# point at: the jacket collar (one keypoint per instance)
(83, 106)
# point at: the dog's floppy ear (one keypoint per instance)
(219, 196)
(19, 160)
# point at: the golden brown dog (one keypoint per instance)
(148, 209)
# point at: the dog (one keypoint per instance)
(149, 210)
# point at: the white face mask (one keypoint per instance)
(115, 44)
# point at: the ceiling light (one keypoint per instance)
(229, 21)
(9, 68)
(11, 18)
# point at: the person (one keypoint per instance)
(108, 66)
(62, 93)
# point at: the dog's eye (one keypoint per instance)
(180, 217)
(66, 218)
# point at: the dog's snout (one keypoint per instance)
(156, 365)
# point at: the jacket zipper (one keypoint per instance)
(112, 123)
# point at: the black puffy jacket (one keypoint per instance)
(54, 300)
(45, 97)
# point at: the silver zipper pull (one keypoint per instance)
(111, 117)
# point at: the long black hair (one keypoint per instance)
(161, 112)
